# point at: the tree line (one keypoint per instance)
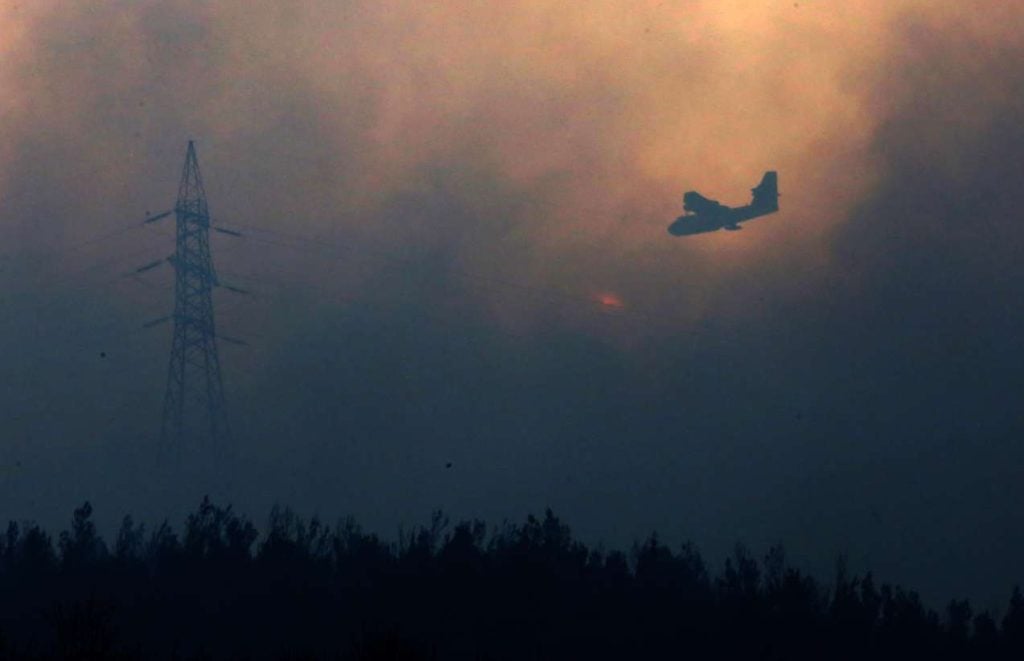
(304, 590)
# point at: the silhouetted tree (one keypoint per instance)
(958, 624)
(1013, 624)
(303, 590)
(81, 546)
(215, 533)
(33, 553)
(985, 642)
(163, 548)
(130, 543)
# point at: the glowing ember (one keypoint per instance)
(609, 300)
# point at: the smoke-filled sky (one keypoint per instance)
(455, 219)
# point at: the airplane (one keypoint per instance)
(704, 215)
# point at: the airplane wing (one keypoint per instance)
(694, 202)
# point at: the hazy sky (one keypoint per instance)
(439, 196)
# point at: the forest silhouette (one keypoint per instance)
(305, 590)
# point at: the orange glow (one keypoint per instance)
(549, 144)
(610, 301)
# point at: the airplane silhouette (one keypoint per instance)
(704, 215)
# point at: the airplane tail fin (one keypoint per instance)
(766, 195)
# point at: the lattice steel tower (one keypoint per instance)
(194, 409)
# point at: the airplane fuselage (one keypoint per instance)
(714, 219)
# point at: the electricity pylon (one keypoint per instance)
(194, 409)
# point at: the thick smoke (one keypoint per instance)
(564, 134)
(468, 179)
